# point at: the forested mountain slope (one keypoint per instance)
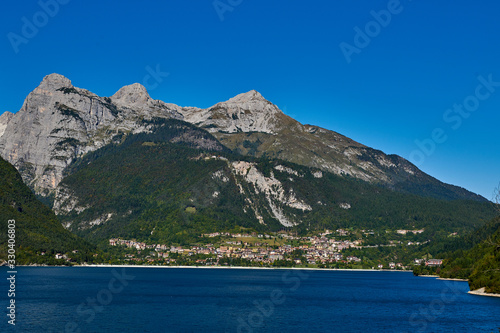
(158, 187)
(37, 229)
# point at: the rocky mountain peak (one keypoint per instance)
(247, 112)
(132, 94)
(252, 101)
(55, 81)
(6, 116)
(252, 95)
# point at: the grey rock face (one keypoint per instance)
(134, 95)
(59, 122)
(4, 121)
(248, 112)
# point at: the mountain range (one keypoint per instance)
(131, 166)
(59, 123)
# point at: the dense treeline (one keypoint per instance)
(478, 260)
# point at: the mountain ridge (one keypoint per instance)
(59, 123)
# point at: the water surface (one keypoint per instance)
(60, 299)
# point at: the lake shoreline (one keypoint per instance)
(244, 267)
(231, 267)
(452, 279)
(481, 292)
(478, 292)
(444, 279)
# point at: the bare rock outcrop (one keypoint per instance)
(5, 118)
(59, 122)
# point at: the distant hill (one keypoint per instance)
(37, 228)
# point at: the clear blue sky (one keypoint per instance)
(395, 90)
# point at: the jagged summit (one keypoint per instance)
(252, 102)
(55, 81)
(59, 122)
(6, 114)
(134, 94)
(252, 95)
(247, 112)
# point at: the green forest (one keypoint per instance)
(474, 257)
(37, 229)
(479, 260)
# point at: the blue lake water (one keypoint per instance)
(58, 299)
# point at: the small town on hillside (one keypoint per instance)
(254, 249)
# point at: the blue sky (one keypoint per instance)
(408, 68)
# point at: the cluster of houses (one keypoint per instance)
(61, 255)
(391, 265)
(238, 235)
(415, 232)
(429, 262)
(321, 250)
